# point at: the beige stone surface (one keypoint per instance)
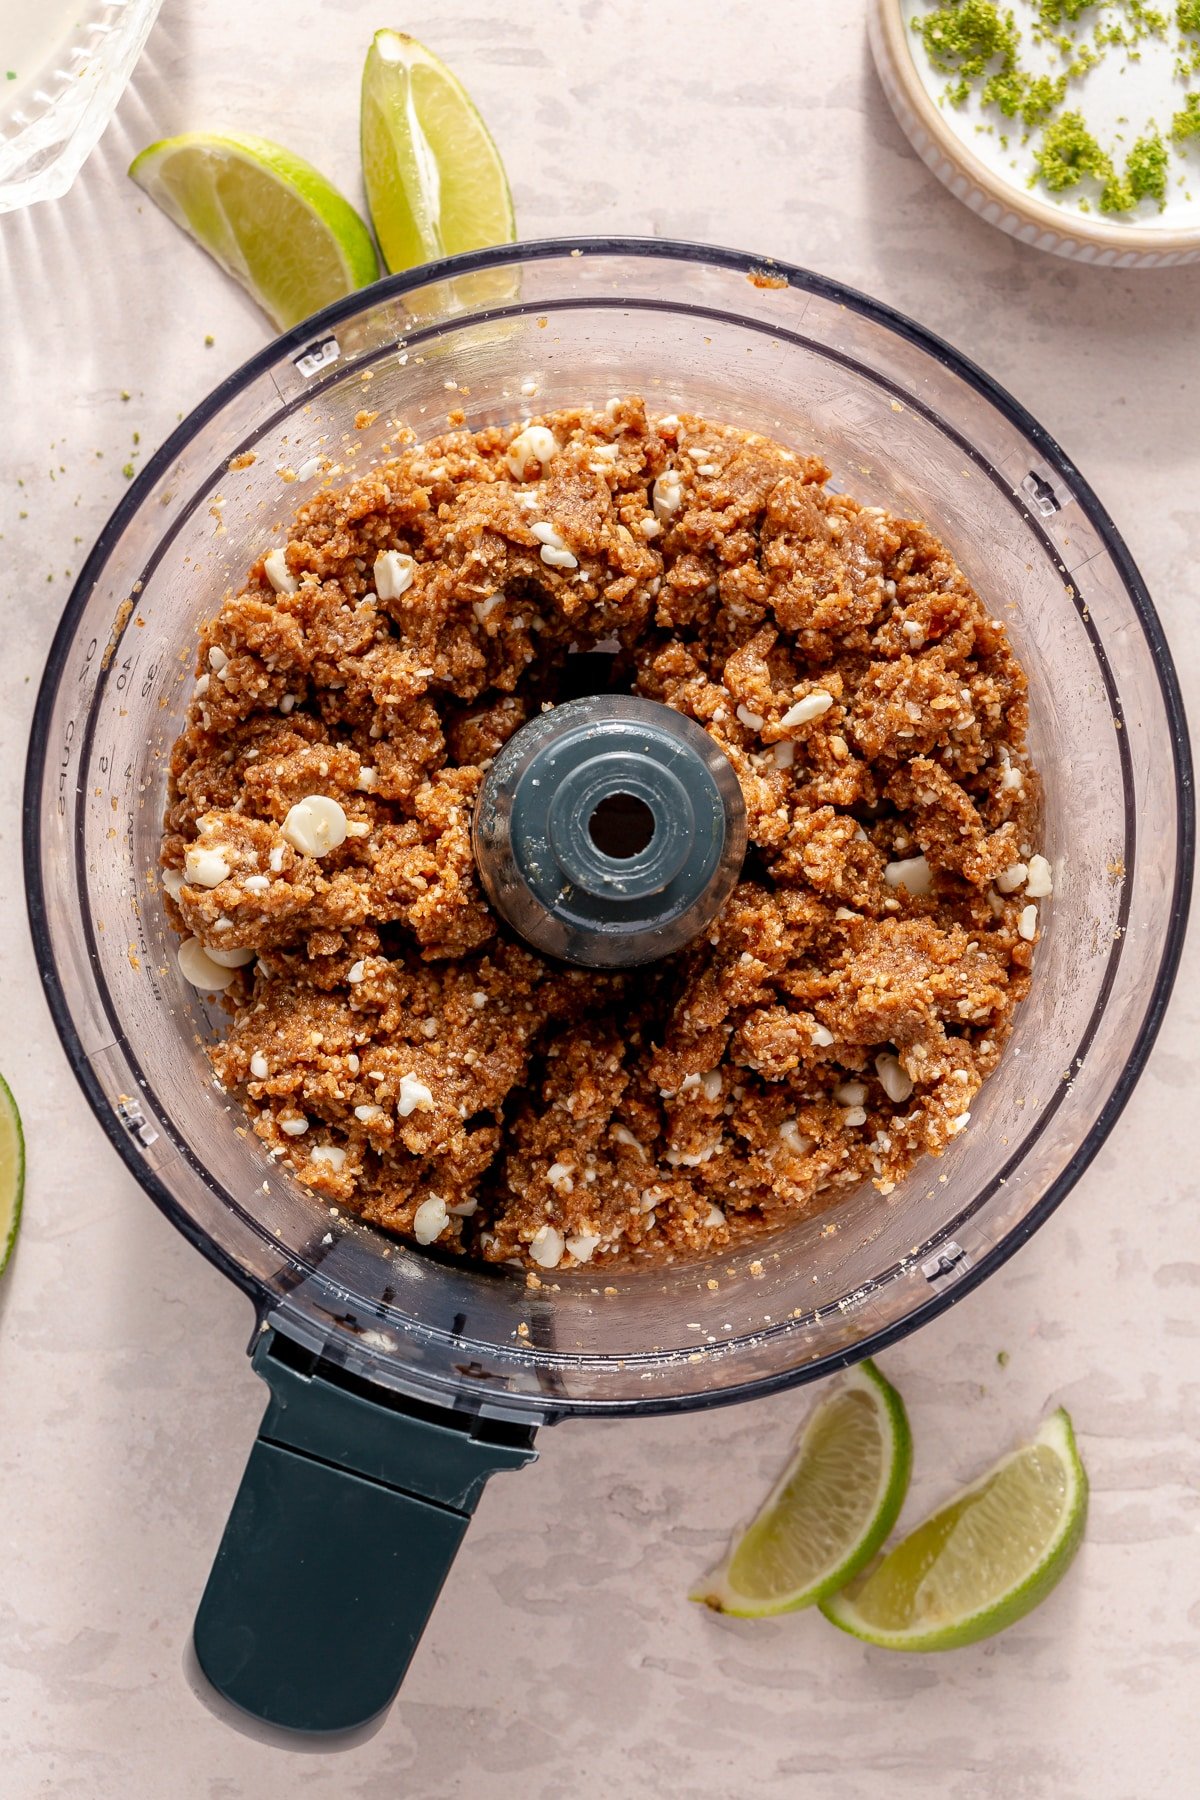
(564, 1662)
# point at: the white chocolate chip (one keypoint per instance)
(822, 1037)
(333, 1154)
(367, 1113)
(217, 659)
(430, 1220)
(286, 703)
(353, 1063)
(794, 1138)
(623, 1135)
(201, 686)
(959, 1124)
(315, 825)
(231, 959)
(205, 867)
(275, 860)
(850, 1093)
(893, 1077)
(558, 559)
(257, 884)
(1027, 924)
(751, 720)
(198, 967)
(296, 1126)
(710, 1085)
(667, 494)
(393, 574)
(465, 1209)
(582, 1245)
(1011, 878)
(260, 1068)
(413, 1094)
(278, 574)
(855, 1117)
(356, 971)
(546, 1247)
(559, 1177)
(911, 872)
(554, 546)
(804, 711)
(530, 452)
(483, 609)
(172, 880)
(366, 780)
(784, 754)
(1040, 881)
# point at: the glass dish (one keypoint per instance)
(75, 61)
(905, 422)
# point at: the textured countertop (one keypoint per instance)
(564, 1660)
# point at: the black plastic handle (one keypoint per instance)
(351, 1509)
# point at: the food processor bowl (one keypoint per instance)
(402, 1364)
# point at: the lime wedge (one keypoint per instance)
(12, 1172)
(269, 218)
(983, 1561)
(829, 1511)
(434, 179)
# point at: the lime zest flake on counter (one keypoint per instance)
(12, 1173)
(830, 1510)
(266, 216)
(978, 46)
(982, 1561)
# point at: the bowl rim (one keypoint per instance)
(892, 41)
(750, 266)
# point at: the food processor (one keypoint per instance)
(401, 1378)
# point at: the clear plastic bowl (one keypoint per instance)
(905, 422)
(82, 56)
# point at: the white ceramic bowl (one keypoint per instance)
(990, 191)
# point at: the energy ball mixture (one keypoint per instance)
(415, 1064)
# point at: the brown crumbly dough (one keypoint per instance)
(829, 1028)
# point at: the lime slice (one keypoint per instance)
(983, 1561)
(12, 1172)
(829, 1511)
(269, 218)
(434, 179)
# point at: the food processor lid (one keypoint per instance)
(609, 831)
